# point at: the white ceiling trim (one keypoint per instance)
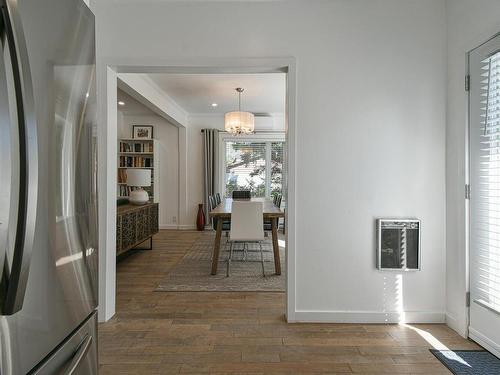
(147, 92)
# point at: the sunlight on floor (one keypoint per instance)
(436, 344)
(427, 336)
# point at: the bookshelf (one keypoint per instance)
(142, 154)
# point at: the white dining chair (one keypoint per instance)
(246, 227)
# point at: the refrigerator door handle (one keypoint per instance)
(28, 163)
(81, 352)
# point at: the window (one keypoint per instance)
(276, 179)
(255, 165)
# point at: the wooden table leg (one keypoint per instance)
(276, 247)
(215, 255)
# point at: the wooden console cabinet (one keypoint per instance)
(134, 225)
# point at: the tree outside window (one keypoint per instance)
(254, 166)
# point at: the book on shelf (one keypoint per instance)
(136, 161)
(122, 176)
(137, 153)
(134, 146)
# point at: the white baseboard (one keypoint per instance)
(485, 342)
(168, 226)
(186, 227)
(454, 324)
(177, 227)
(367, 317)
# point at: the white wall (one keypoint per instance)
(168, 141)
(470, 23)
(370, 112)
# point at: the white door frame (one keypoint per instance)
(107, 71)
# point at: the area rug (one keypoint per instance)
(468, 362)
(192, 273)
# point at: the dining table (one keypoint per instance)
(270, 213)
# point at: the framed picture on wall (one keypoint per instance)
(142, 131)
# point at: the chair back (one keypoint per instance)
(246, 221)
(217, 198)
(211, 202)
(278, 200)
(241, 194)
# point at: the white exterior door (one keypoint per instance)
(484, 132)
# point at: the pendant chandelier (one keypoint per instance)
(239, 122)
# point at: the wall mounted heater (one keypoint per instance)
(398, 244)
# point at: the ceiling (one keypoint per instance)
(132, 107)
(264, 93)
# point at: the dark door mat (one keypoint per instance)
(468, 362)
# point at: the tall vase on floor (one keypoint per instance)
(200, 219)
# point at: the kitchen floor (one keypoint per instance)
(244, 333)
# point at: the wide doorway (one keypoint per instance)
(229, 167)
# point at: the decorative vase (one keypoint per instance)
(200, 219)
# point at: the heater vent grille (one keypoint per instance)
(398, 244)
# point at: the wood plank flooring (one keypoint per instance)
(243, 333)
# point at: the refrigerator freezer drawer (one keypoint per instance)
(77, 355)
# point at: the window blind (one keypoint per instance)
(246, 167)
(485, 251)
(254, 165)
(277, 165)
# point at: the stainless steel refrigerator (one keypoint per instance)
(48, 235)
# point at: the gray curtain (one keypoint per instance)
(210, 154)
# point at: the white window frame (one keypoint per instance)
(258, 137)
